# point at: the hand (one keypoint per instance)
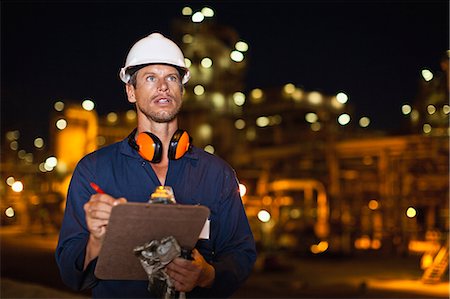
(98, 211)
(187, 274)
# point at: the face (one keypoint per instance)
(158, 92)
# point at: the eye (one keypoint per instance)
(172, 78)
(150, 78)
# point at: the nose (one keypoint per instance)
(162, 86)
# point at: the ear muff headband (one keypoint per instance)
(179, 144)
(149, 147)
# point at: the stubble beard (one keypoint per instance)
(163, 116)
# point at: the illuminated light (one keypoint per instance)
(51, 161)
(59, 106)
(34, 200)
(10, 180)
(218, 100)
(12, 135)
(207, 12)
(242, 190)
(297, 95)
(376, 244)
(295, 213)
(431, 109)
(250, 134)
(411, 212)
(38, 142)
(426, 260)
(199, 90)
(21, 154)
(112, 117)
(336, 104)
(130, 115)
(414, 115)
(186, 11)
(101, 140)
(9, 212)
(206, 62)
(239, 98)
(42, 167)
(187, 62)
(427, 75)
(197, 17)
(367, 160)
(406, 109)
(322, 246)
(236, 56)
(14, 145)
(373, 204)
(267, 200)
(315, 98)
(289, 88)
(262, 121)
(314, 249)
(61, 124)
(343, 119)
(256, 93)
(364, 122)
(264, 216)
(319, 248)
(446, 109)
(17, 186)
(187, 39)
(311, 117)
(205, 131)
(241, 46)
(209, 149)
(275, 119)
(239, 124)
(88, 105)
(363, 242)
(426, 128)
(29, 158)
(286, 201)
(47, 167)
(315, 127)
(342, 98)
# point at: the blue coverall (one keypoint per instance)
(197, 178)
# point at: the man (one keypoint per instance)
(154, 75)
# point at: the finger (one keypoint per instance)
(104, 198)
(120, 201)
(177, 272)
(181, 262)
(97, 210)
(98, 214)
(180, 282)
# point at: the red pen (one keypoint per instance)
(96, 188)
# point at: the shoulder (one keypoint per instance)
(210, 160)
(102, 157)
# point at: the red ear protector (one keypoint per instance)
(149, 146)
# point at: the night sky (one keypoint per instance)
(373, 50)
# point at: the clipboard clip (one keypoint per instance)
(163, 194)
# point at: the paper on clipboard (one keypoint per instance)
(134, 224)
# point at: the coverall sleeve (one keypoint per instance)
(235, 252)
(74, 235)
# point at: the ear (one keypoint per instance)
(130, 93)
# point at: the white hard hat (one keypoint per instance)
(154, 48)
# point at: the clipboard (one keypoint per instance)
(134, 224)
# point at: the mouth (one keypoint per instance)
(162, 100)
